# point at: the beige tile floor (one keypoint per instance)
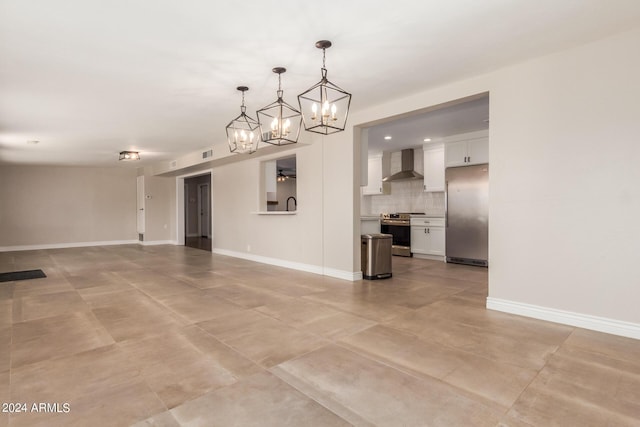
(174, 336)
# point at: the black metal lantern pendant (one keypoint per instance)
(242, 133)
(324, 106)
(279, 122)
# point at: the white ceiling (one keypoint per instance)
(89, 78)
(411, 131)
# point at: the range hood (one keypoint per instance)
(406, 168)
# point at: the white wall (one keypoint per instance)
(319, 237)
(564, 180)
(564, 194)
(159, 209)
(47, 205)
(237, 228)
(341, 200)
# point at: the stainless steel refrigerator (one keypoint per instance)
(467, 214)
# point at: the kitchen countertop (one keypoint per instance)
(377, 217)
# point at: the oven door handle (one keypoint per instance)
(400, 223)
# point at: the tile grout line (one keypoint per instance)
(550, 355)
(488, 403)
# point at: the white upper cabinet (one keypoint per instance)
(456, 153)
(434, 167)
(374, 178)
(467, 149)
(478, 151)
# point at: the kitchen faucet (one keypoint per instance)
(295, 203)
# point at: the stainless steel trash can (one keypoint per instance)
(376, 256)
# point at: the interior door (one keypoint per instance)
(140, 204)
(203, 208)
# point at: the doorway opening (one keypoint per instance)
(443, 137)
(197, 212)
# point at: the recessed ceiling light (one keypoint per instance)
(427, 139)
(33, 142)
(387, 137)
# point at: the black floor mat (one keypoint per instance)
(22, 275)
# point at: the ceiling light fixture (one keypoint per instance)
(427, 140)
(129, 155)
(324, 106)
(387, 137)
(279, 122)
(281, 177)
(240, 131)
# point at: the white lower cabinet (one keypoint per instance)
(427, 236)
(418, 240)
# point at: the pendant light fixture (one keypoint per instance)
(279, 122)
(242, 133)
(324, 106)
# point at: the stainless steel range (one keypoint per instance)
(399, 226)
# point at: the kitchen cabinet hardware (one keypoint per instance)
(467, 152)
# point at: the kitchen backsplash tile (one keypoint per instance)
(406, 196)
(434, 203)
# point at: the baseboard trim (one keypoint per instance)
(66, 245)
(345, 275)
(586, 321)
(158, 242)
(309, 268)
(431, 257)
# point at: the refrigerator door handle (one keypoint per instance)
(446, 204)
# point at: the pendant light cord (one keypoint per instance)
(280, 92)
